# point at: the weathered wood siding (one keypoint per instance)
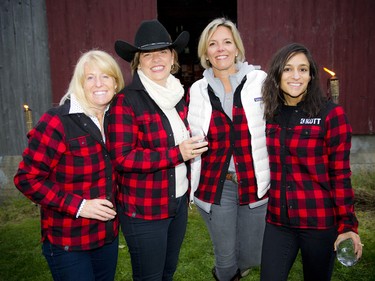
(78, 26)
(24, 69)
(339, 33)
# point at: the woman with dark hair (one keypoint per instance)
(272, 96)
(311, 198)
(150, 146)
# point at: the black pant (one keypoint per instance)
(281, 246)
(154, 245)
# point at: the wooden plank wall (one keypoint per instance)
(339, 33)
(24, 69)
(78, 26)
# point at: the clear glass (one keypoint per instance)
(198, 132)
(345, 253)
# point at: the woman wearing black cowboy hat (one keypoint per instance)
(149, 143)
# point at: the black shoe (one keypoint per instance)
(236, 277)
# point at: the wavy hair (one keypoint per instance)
(273, 97)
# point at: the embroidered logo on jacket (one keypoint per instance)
(310, 121)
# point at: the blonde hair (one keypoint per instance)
(207, 34)
(105, 62)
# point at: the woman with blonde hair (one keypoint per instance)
(66, 169)
(231, 179)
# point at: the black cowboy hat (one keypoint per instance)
(151, 35)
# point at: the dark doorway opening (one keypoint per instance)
(192, 16)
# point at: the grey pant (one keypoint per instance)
(236, 233)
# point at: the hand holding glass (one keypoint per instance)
(198, 132)
(345, 253)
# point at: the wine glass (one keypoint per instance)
(198, 132)
(345, 253)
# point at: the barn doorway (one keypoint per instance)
(192, 16)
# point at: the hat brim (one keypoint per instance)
(127, 51)
(181, 42)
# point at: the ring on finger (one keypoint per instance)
(192, 152)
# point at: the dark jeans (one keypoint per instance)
(91, 265)
(154, 245)
(281, 246)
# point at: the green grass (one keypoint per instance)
(21, 257)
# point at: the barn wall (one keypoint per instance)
(78, 26)
(24, 69)
(339, 33)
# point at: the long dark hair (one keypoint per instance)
(273, 97)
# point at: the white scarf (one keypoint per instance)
(165, 97)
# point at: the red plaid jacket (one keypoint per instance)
(143, 150)
(65, 162)
(310, 170)
(227, 138)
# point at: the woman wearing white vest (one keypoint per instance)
(230, 180)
